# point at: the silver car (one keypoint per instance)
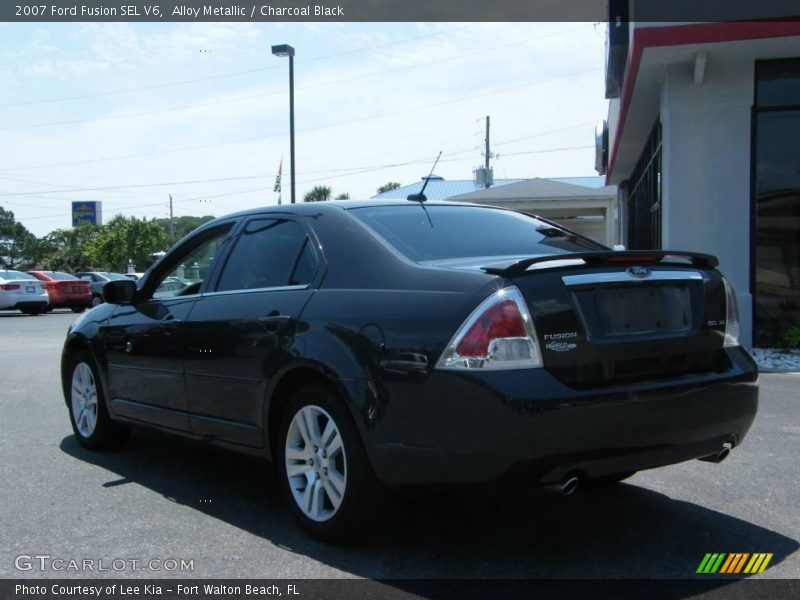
(20, 291)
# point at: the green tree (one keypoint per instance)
(69, 250)
(388, 187)
(319, 193)
(18, 246)
(343, 196)
(128, 238)
(183, 225)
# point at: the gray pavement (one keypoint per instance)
(159, 498)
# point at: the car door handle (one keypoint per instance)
(274, 323)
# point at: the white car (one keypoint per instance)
(20, 291)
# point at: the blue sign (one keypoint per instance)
(87, 212)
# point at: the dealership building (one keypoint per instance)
(703, 141)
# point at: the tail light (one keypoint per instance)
(499, 334)
(9, 286)
(732, 328)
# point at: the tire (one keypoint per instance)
(606, 480)
(339, 505)
(96, 300)
(78, 309)
(33, 312)
(86, 404)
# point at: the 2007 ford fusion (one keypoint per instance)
(397, 342)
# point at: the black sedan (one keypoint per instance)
(409, 342)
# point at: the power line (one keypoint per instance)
(347, 170)
(354, 171)
(315, 128)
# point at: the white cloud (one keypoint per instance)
(449, 74)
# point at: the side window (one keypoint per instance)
(186, 272)
(269, 253)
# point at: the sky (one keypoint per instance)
(128, 113)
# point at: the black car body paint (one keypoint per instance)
(373, 321)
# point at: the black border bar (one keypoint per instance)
(394, 10)
(443, 589)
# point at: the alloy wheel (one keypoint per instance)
(84, 399)
(316, 464)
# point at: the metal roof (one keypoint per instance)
(443, 189)
(538, 188)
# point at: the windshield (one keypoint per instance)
(113, 276)
(426, 233)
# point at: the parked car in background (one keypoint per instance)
(134, 276)
(98, 279)
(20, 291)
(65, 290)
(416, 343)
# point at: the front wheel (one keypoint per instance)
(96, 301)
(323, 469)
(87, 407)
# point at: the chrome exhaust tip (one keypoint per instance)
(719, 456)
(566, 487)
(570, 486)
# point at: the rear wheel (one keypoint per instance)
(96, 300)
(32, 311)
(87, 407)
(323, 469)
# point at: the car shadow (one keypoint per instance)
(623, 531)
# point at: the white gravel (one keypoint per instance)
(774, 359)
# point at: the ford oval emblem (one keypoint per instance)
(638, 272)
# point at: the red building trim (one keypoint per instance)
(684, 35)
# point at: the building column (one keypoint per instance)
(706, 130)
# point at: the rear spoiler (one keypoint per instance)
(704, 261)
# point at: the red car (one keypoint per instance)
(65, 290)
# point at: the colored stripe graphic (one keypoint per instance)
(758, 563)
(711, 562)
(733, 563)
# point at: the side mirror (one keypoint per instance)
(119, 291)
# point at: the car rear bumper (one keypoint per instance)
(525, 427)
(70, 300)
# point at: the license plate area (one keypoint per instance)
(30, 289)
(624, 311)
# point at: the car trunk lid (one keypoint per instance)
(609, 317)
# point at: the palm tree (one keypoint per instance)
(319, 193)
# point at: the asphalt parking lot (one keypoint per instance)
(159, 498)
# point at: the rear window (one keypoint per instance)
(61, 276)
(15, 275)
(425, 233)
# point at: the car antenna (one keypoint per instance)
(421, 197)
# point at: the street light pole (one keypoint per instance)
(287, 50)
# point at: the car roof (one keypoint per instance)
(309, 208)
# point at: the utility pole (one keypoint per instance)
(171, 222)
(487, 184)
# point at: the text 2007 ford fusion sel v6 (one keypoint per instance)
(414, 343)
